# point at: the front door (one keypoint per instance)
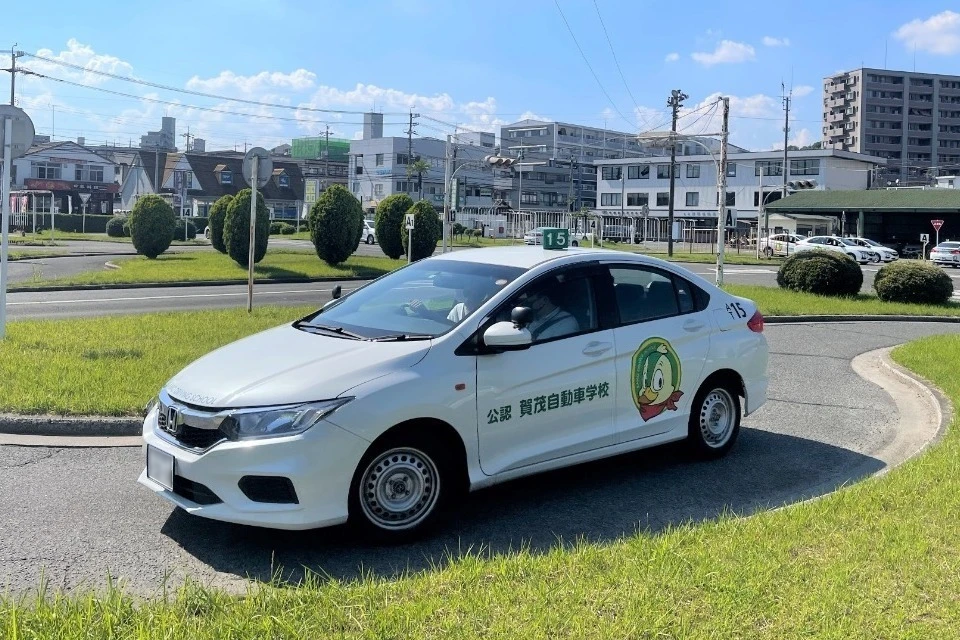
(663, 340)
(555, 398)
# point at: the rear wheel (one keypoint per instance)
(714, 420)
(768, 251)
(574, 244)
(370, 239)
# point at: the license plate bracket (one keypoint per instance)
(160, 467)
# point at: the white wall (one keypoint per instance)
(69, 156)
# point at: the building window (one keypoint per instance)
(768, 168)
(378, 189)
(226, 177)
(609, 199)
(663, 199)
(663, 171)
(529, 197)
(731, 200)
(46, 170)
(641, 172)
(637, 199)
(356, 187)
(610, 173)
(693, 170)
(693, 198)
(809, 167)
(731, 169)
(88, 173)
(379, 159)
(403, 158)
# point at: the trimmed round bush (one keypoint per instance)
(825, 273)
(388, 223)
(218, 213)
(126, 226)
(236, 229)
(115, 226)
(913, 281)
(287, 229)
(178, 230)
(151, 225)
(427, 231)
(275, 228)
(336, 224)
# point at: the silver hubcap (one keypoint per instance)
(400, 488)
(717, 418)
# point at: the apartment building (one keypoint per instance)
(910, 119)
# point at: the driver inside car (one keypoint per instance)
(550, 320)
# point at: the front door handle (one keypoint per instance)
(594, 349)
(693, 325)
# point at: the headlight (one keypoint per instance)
(150, 406)
(272, 422)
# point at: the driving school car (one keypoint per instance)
(452, 374)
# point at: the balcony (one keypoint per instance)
(834, 132)
(833, 103)
(835, 117)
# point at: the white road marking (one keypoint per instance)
(167, 297)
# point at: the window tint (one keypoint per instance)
(563, 305)
(643, 294)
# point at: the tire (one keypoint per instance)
(574, 244)
(400, 488)
(714, 421)
(768, 251)
(875, 259)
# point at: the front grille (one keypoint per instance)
(272, 489)
(194, 491)
(198, 438)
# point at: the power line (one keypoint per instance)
(617, 62)
(594, 73)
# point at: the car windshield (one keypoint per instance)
(872, 243)
(848, 242)
(424, 300)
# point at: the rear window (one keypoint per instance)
(948, 245)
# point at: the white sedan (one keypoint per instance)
(886, 253)
(369, 232)
(780, 244)
(845, 246)
(454, 373)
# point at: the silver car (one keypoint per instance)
(947, 253)
(886, 253)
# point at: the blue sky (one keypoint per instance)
(477, 64)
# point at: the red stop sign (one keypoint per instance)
(937, 224)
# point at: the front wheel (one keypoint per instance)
(875, 258)
(399, 489)
(714, 421)
(370, 239)
(768, 251)
(574, 244)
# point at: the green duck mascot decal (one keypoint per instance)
(655, 378)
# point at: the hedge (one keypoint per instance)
(913, 281)
(827, 273)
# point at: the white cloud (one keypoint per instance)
(672, 57)
(802, 90)
(299, 80)
(939, 34)
(802, 138)
(364, 96)
(727, 52)
(83, 55)
(770, 41)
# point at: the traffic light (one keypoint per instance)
(501, 161)
(798, 185)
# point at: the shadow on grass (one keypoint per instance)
(598, 502)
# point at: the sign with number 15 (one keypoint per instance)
(556, 238)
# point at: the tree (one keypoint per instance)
(427, 231)
(816, 145)
(389, 223)
(218, 213)
(336, 225)
(236, 229)
(418, 167)
(151, 225)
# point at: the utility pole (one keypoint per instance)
(14, 54)
(410, 131)
(156, 168)
(447, 192)
(187, 137)
(326, 157)
(675, 101)
(786, 135)
(722, 192)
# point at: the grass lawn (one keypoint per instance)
(44, 238)
(874, 560)
(211, 265)
(27, 255)
(774, 301)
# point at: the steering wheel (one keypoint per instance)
(408, 309)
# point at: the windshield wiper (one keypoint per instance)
(399, 337)
(339, 331)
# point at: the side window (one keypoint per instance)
(563, 305)
(642, 294)
(691, 297)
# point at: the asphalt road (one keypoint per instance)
(73, 515)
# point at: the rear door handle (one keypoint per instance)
(594, 349)
(693, 325)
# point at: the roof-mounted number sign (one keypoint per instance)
(556, 238)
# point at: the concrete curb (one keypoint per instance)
(181, 285)
(69, 426)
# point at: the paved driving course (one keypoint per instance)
(73, 515)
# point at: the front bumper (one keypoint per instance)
(319, 463)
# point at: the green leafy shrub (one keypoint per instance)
(825, 273)
(178, 230)
(336, 224)
(116, 226)
(275, 228)
(126, 227)
(427, 231)
(913, 281)
(236, 229)
(388, 223)
(287, 229)
(151, 225)
(218, 213)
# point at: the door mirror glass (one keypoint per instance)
(505, 335)
(521, 316)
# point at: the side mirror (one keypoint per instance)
(504, 335)
(337, 292)
(521, 316)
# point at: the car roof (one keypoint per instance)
(528, 257)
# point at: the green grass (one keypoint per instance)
(211, 265)
(875, 560)
(28, 255)
(44, 237)
(114, 365)
(774, 301)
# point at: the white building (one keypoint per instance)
(63, 174)
(749, 174)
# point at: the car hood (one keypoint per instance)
(285, 365)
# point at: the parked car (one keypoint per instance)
(206, 232)
(886, 253)
(779, 244)
(460, 371)
(369, 232)
(842, 245)
(946, 253)
(616, 233)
